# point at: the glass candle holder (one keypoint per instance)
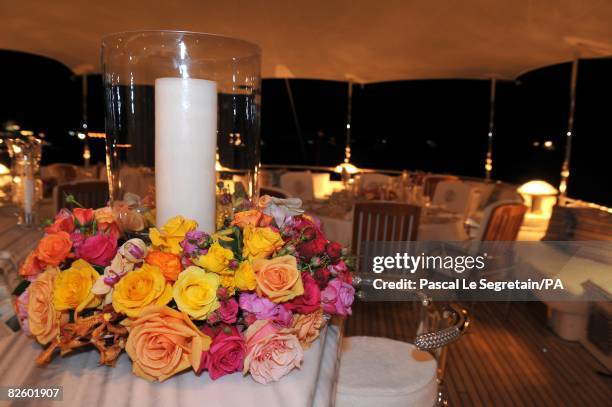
(26, 191)
(182, 109)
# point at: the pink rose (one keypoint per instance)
(98, 250)
(226, 353)
(227, 312)
(260, 308)
(341, 271)
(310, 301)
(77, 239)
(338, 297)
(271, 353)
(21, 310)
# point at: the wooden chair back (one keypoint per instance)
(90, 194)
(503, 222)
(384, 222)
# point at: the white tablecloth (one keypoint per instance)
(87, 384)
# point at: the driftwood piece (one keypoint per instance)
(100, 330)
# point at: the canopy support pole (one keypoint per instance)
(489, 157)
(349, 118)
(565, 168)
(295, 118)
(84, 124)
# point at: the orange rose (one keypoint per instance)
(107, 224)
(168, 263)
(31, 267)
(278, 278)
(307, 326)
(43, 318)
(252, 217)
(53, 249)
(163, 342)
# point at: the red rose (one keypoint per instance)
(308, 302)
(334, 251)
(63, 223)
(226, 353)
(309, 233)
(312, 248)
(322, 276)
(98, 250)
(83, 216)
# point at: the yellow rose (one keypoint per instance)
(195, 292)
(72, 288)
(104, 215)
(169, 237)
(216, 260)
(244, 277)
(260, 243)
(139, 288)
(43, 318)
(278, 278)
(228, 282)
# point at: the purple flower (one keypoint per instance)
(338, 297)
(194, 242)
(262, 308)
(77, 239)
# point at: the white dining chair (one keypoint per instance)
(370, 180)
(299, 184)
(457, 197)
(321, 185)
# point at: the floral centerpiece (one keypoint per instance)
(249, 297)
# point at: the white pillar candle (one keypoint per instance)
(185, 146)
(28, 194)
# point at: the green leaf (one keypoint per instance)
(21, 287)
(99, 269)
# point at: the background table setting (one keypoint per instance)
(436, 223)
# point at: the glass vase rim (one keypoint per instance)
(255, 47)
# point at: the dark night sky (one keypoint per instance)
(431, 125)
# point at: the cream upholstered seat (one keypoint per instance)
(299, 184)
(381, 372)
(374, 179)
(457, 197)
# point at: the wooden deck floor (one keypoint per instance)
(505, 359)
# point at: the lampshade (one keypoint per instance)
(540, 197)
(347, 167)
(537, 188)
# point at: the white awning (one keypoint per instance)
(363, 40)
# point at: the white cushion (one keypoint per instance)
(381, 372)
(574, 271)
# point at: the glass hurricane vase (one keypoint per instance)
(182, 113)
